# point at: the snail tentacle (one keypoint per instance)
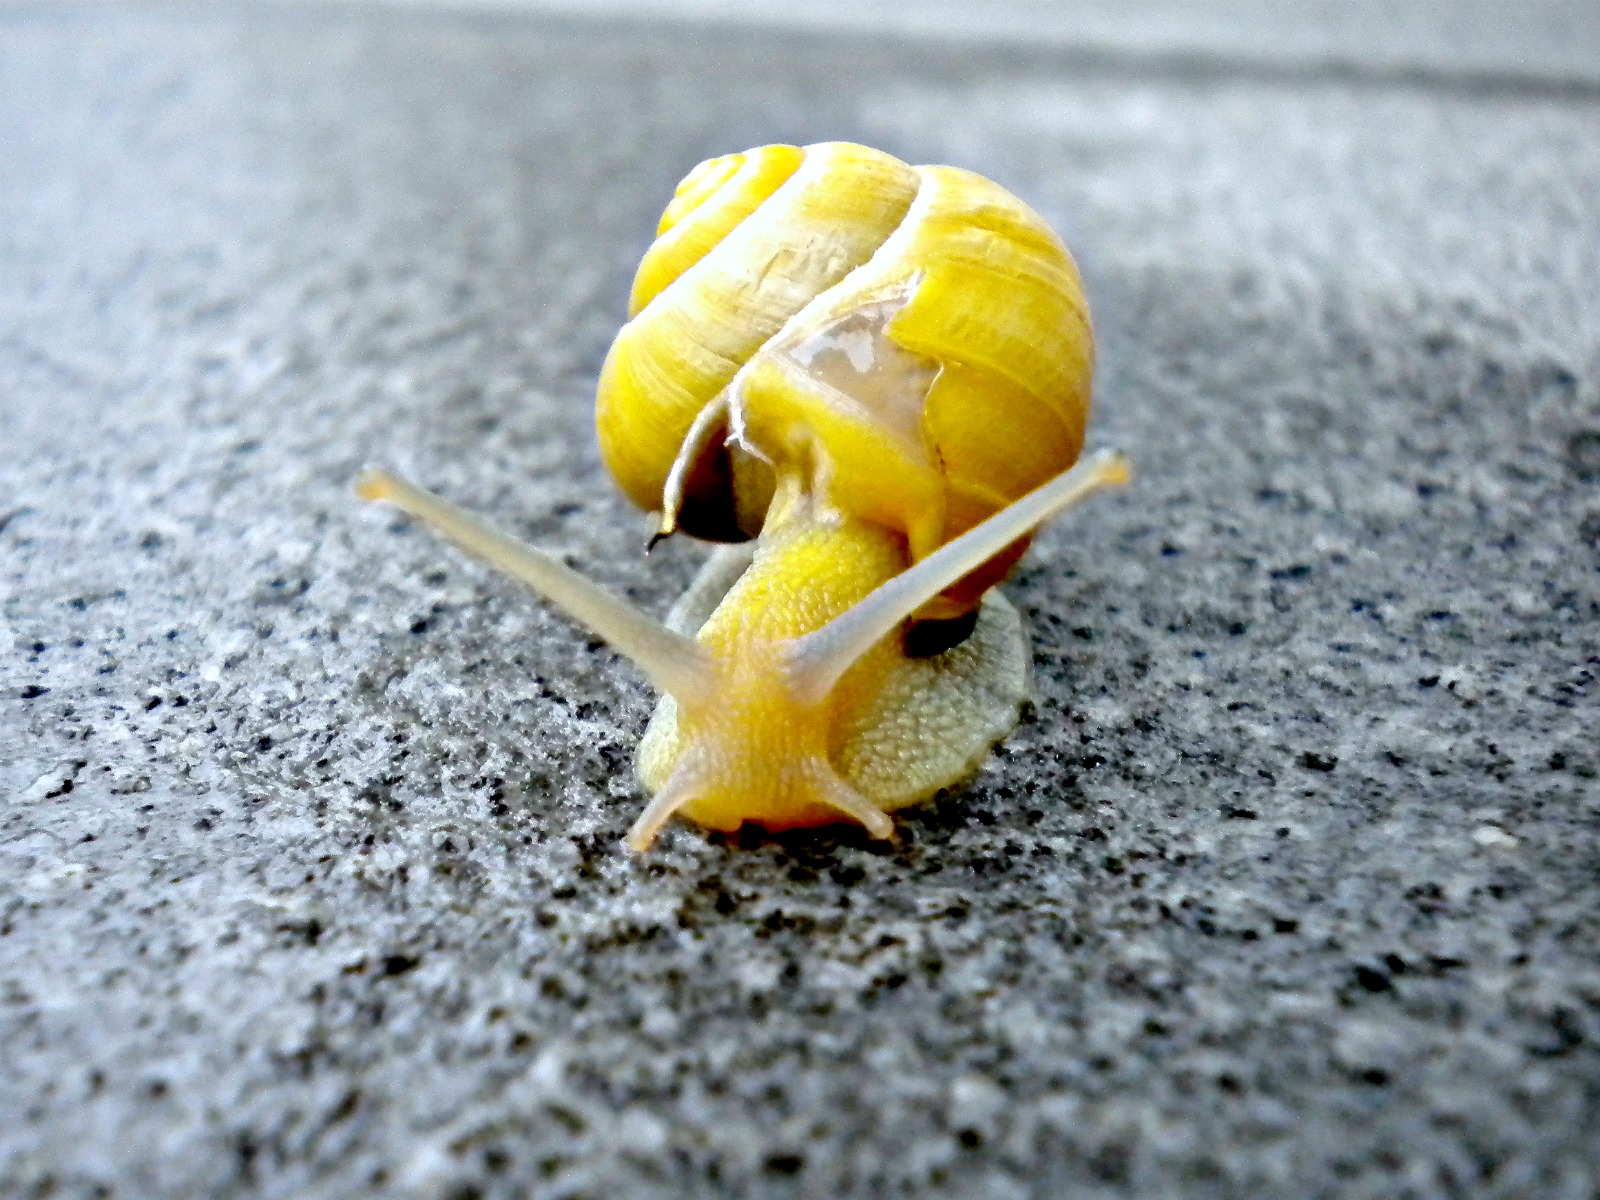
(676, 664)
(680, 789)
(836, 793)
(818, 659)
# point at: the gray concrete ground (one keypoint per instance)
(1543, 41)
(310, 876)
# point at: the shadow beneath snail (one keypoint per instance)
(921, 842)
(819, 842)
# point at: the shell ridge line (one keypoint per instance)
(791, 330)
(733, 248)
(763, 171)
(738, 429)
(1036, 268)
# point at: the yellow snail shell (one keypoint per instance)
(916, 337)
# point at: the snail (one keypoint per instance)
(870, 382)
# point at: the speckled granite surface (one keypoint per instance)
(310, 875)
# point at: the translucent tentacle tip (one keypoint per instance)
(374, 483)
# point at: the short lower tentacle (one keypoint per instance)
(836, 793)
(680, 789)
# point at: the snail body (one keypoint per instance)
(875, 377)
(892, 730)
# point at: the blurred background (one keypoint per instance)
(1553, 40)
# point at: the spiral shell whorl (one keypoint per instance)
(720, 303)
(914, 338)
(710, 202)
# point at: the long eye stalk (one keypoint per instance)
(817, 660)
(676, 664)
